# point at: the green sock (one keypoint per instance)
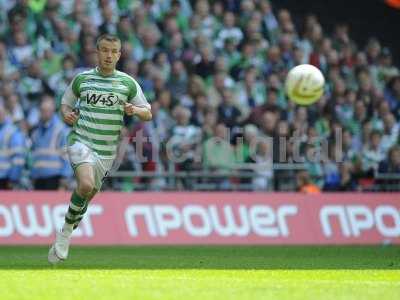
(77, 200)
(80, 216)
(76, 206)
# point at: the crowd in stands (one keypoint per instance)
(214, 74)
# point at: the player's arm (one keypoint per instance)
(144, 113)
(68, 101)
(138, 104)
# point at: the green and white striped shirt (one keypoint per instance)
(101, 104)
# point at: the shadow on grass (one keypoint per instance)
(207, 257)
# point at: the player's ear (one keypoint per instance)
(120, 51)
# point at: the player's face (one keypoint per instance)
(108, 54)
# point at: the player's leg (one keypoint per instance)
(101, 168)
(82, 213)
(78, 205)
(90, 178)
(85, 177)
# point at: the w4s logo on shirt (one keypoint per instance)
(107, 99)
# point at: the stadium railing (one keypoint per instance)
(239, 178)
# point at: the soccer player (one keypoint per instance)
(94, 105)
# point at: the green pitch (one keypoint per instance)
(202, 273)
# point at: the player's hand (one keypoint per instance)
(129, 109)
(71, 117)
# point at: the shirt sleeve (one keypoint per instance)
(69, 97)
(137, 97)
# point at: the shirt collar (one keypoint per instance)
(97, 71)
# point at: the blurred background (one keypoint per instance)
(214, 74)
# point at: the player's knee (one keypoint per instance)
(86, 187)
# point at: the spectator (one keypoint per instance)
(206, 63)
(229, 31)
(180, 10)
(228, 113)
(14, 107)
(221, 80)
(32, 86)
(392, 163)
(12, 152)
(51, 63)
(210, 121)
(347, 181)
(218, 155)
(207, 21)
(59, 81)
(245, 145)
(195, 87)
(313, 163)
(304, 184)
(218, 152)
(270, 23)
(391, 132)
(175, 49)
(274, 61)
(184, 140)
(331, 169)
(250, 92)
(21, 50)
(372, 154)
(269, 105)
(262, 166)
(392, 94)
(220, 62)
(230, 53)
(8, 70)
(199, 110)
(268, 123)
(50, 167)
(109, 25)
(178, 80)
(350, 146)
(390, 166)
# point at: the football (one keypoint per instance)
(304, 84)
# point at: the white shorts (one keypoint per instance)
(79, 153)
